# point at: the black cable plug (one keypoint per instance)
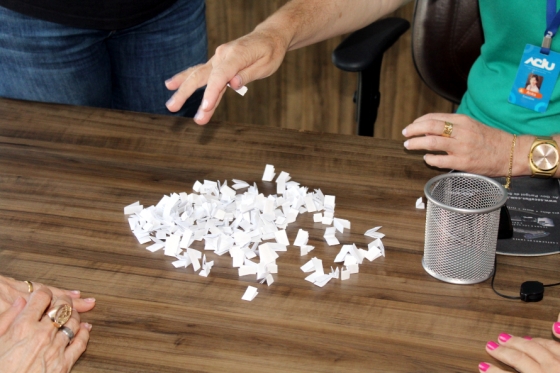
(532, 291)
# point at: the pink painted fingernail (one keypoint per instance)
(170, 102)
(492, 345)
(76, 292)
(503, 337)
(199, 115)
(88, 326)
(205, 104)
(557, 327)
(89, 300)
(483, 366)
(168, 80)
(404, 132)
(406, 144)
(527, 338)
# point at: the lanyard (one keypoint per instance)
(553, 23)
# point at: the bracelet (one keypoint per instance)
(508, 177)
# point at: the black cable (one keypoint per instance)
(508, 296)
(493, 277)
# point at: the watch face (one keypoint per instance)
(545, 157)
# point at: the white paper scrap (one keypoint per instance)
(344, 275)
(268, 173)
(194, 256)
(305, 249)
(282, 237)
(241, 90)
(250, 293)
(328, 203)
(301, 238)
(133, 208)
(247, 270)
(308, 267)
(340, 224)
(155, 247)
(318, 218)
(172, 245)
(420, 204)
(330, 237)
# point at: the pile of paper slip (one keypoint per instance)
(239, 223)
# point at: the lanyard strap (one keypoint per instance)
(553, 23)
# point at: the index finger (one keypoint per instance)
(37, 304)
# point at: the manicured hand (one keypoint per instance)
(525, 355)
(11, 289)
(29, 340)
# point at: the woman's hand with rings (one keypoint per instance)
(470, 145)
(524, 354)
(11, 289)
(31, 342)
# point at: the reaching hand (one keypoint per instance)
(253, 56)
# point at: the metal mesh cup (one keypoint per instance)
(462, 221)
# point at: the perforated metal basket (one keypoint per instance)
(462, 219)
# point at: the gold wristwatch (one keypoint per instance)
(544, 157)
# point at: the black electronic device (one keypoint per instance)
(532, 291)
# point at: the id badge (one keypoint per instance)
(535, 80)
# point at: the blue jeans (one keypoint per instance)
(124, 69)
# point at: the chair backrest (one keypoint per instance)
(446, 40)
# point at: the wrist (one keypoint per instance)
(521, 155)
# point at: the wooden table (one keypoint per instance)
(67, 172)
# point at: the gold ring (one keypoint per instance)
(447, 130)
(59, 315)
(29, 286)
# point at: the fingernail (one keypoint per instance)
(239, 79)
(170, 102)
(424, 157)
(88, 326)
(406, 144)
(89, 300)
(205, 104)
(503, 337)
(168, 80)
(483, 366)
(76, 292)
(492, 345)
(557, 327)
(199, 115)
(527, 338)
(404, 132)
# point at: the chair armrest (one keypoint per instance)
(363, 47)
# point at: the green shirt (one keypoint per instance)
(508, 26)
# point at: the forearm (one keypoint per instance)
(304, 22)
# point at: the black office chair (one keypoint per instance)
(446, 40)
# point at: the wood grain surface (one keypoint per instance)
(67, 172)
